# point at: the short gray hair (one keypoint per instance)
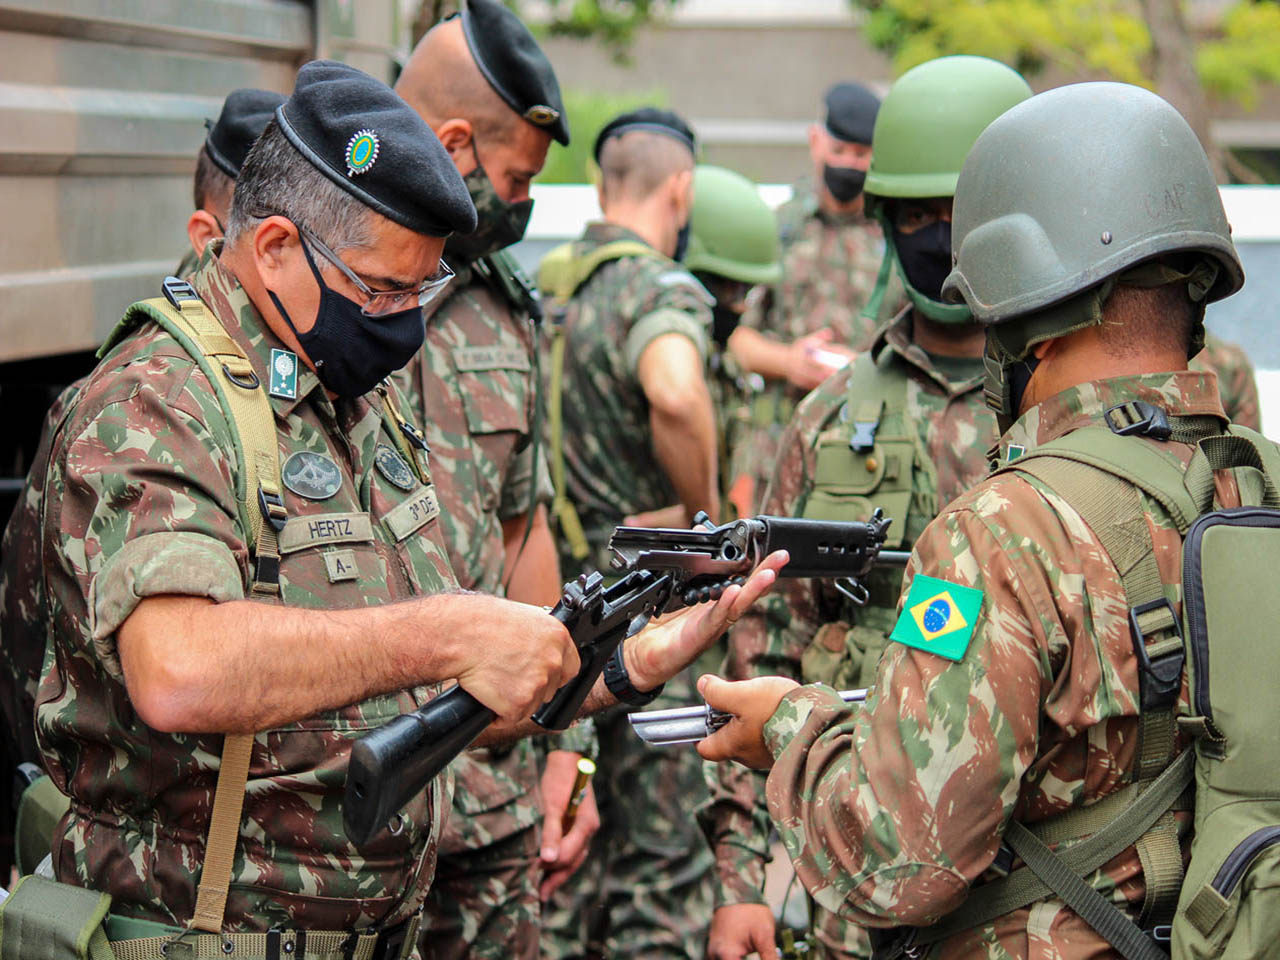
(278, 180)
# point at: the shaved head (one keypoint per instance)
(635, 164)
(442, 82)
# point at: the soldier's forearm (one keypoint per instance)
(760, 354)
(194, 666)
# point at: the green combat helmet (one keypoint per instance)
(928, 122)
(1068, 193)
(733, 233)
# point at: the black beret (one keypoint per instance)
(851, 112)
(651, 119)
(515, 66)
(359, 133)
(244, 115)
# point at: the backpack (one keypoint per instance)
(562, 271)
(1228, 902)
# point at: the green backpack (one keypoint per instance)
(1227, 904)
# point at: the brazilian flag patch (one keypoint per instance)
(938, 617)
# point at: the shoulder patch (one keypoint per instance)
(938, 617)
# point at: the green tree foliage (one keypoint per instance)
(588, 113)
(1082, 37)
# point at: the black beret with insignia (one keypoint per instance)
(244, 115)
(359, 133)
(651, 119)
(515, 66)
(851, 112)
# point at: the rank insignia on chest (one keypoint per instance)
(284, 375)
(938, 617)
(311, 475)
(392, 466)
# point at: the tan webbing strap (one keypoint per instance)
(312, 945)
(401, 430)
(224, 832)
(251, 416)
(562, 508)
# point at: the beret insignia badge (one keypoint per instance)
(362, 151)
(542, 115)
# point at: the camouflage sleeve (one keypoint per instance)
(890, 812)
(146, 504)
(579, 738)
(670, 302)
(520, 483)
(769, 640)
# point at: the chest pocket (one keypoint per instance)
(859, 466)
(495, 384)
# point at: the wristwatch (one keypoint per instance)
(619, 682)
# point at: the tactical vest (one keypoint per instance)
(46, 920)
(868, 455)
(562, 272)
(1228, 559)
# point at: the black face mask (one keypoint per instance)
(500, 224)
(682, 243)
(724, 320)
(352, 352)
(845, 183)
(925, 257)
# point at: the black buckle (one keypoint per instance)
(391, 942)
(1163, 933)
(176, 290)
(1003, 863)
(272, 507)
(1160, 679)
(415, 436)
(1145, 420)
(864, 435)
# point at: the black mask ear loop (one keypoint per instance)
(315, 272)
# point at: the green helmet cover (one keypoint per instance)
(925, 128)
(732, 233)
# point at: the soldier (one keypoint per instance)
(639, 435)
(209, 574)
(482, 84)
(1029, 678)
(733, 248)
(22, 629)
(800, 331)
(244, 115)
(904, 428)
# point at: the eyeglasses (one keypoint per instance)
(379, 303)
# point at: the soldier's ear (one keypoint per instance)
(458, 137)
(202, 226)
(275, 247)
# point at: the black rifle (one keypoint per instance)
(660, 570)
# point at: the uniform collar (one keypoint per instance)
(896, 336)
(600, 232)
(222, 293)
(1179, 393)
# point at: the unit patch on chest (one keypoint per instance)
(392, 466)
(413, 514)
(311, 475)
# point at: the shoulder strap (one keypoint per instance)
(185, 317)
(568, 266)
(503, 270)
(873, 394)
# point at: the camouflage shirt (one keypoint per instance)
(611, 469)
(1236, 381)
(890, 813)
(471, 386)
(829, 270)
(806, 629)
(141, 501)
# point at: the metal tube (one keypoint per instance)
(664, 728)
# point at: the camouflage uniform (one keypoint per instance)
(140, 501)
(472, 388)
(1236, 382)
(648, 876)
(806, 630)
(829, 270)
(891, 812)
